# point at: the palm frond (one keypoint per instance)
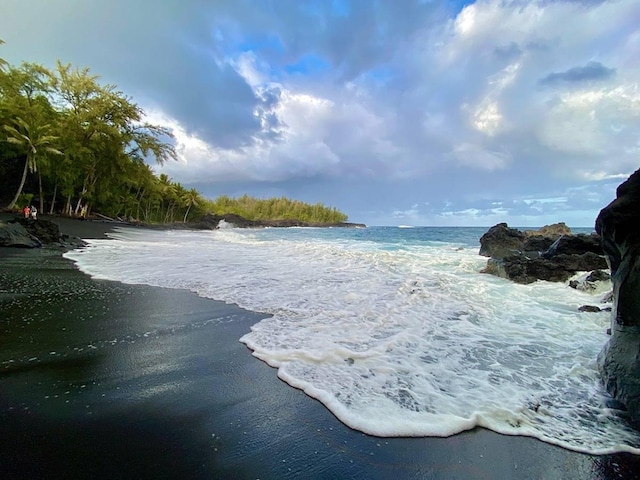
(53, 151)
(14, 140)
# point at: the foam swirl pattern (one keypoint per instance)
(394, 330)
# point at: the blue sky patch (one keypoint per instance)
(309, 64)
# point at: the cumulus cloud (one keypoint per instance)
(596, 123)
(374, 94)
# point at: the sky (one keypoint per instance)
(396, 112)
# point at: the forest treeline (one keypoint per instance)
(71, 145)
(276, 209)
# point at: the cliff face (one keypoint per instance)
(619, 228)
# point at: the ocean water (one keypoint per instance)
(393, 329)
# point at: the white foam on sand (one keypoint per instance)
(410, 342)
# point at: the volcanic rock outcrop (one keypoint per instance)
(547, 254)
(619, 227)
(15, 235)
(27, 233)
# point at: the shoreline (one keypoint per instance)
(101, 379)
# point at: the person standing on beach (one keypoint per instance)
(27, 211)
(34, 212)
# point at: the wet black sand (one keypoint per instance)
(104, 380)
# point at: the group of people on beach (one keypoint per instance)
(30, 212)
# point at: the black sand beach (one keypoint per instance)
(104, 380)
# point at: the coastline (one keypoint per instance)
(102, 380)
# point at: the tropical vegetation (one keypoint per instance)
(276, 209)
(74, 146)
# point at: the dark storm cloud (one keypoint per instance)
(159, 52)
(352, 38)
(592, 71)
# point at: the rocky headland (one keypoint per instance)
(213, 222)
(618, 225)
(554, 254)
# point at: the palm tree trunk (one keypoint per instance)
(139, 202)
(40, 188)
(53, 200)
(82, 193)
(169, 215)
(184, 220)
(22, 180)
(67, 207)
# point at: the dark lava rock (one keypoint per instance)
(522, 269)
(553, 231)
(575, 245)
(590, 282)
(598, 276)
(45, 230)
(501, 241)
(212, 222)
(15, 235)
(537, 244)
(589, 308)
(28, 233)
(619, 361)
(527, 258)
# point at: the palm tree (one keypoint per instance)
(190, 198)
(34, 139)
(167, 191)
(3, 62)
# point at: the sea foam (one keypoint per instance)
(398, 338)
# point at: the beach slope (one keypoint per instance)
(104, 380)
